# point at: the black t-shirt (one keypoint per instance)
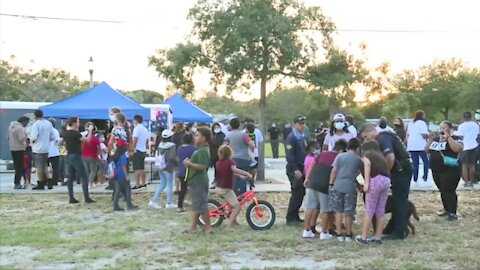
(72, 141)
(274, 133)
(437, 148)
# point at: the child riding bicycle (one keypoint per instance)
(225, 169)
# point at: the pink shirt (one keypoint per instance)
(308, 162)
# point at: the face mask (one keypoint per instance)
(477, 116)
(274, 125)
(112, 117)
(339, 125)
(383, 125)
(316, 151)
(194, 129)
(217, 130)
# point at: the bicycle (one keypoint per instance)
(260, 213)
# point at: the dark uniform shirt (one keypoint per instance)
(390, 143)
(296, 152)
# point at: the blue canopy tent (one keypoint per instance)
(94, 103)
(184, 111)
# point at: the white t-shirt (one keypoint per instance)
(415, 141)
(352, 129)
(53, 151)
(387, 128)
(41, 135)
(330, 140)
(469, 130)
(141, 133)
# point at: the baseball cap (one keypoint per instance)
(339, 116)
(167, 133)
(299, 118)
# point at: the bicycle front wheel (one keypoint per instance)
(215, 218)
(261, 216)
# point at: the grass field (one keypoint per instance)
(268, 150)
(44, 232)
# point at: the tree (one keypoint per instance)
(144, 96)
(336, 77)
(41, 86)
(245, 42)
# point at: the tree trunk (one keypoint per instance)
(445, 113)
(262, 104)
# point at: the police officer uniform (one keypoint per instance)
(295, 155)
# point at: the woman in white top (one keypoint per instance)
(417, 135)
(338, 131)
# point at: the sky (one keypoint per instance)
(120, 50)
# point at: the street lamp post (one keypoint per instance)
(90, 70)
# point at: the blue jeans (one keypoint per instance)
(416, 155)
(166, 180)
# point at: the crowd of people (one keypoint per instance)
(322, 167)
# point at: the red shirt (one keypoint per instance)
(90, 149)
(224, 173)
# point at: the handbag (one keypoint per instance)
(449, 161)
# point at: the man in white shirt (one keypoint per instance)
(469, 130)
(41, 135)
(54, 156)
(417, 135)
(141, 137)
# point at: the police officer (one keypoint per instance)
(398, 160)
(295, 154)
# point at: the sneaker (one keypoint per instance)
(333, 233)
(136, 187)
(341, 238)
(348, 238)
(325, 236)
(375, 241)
(308, 234)
(170, 206)
(154, 205)
(452, 217)
(361, 241)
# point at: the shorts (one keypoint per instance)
(254, 164)
(341, 202)
(199, 196)
(40, 160)
(469, 157)
(138, 161)
(228, 195)
(316, 200)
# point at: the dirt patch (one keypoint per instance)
(241, 260)
(20, 256)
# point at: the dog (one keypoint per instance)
(412, 211)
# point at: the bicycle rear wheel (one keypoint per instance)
(262, 218)
(215, 219)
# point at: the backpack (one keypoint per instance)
(402, 156)
(160, 161)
